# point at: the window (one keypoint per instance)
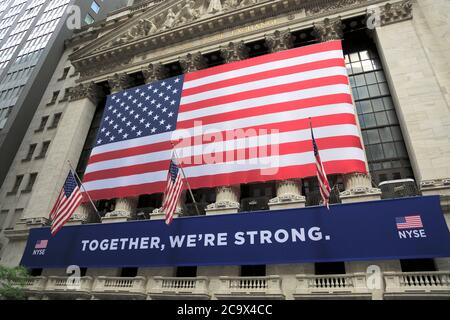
(324, 268)
(89, 19)
(3, 216)
(31, 149)
(16, 186)
(253, 271)
(190, 271)
(128, 272)
(44, 149)
(56, 119)
(64, 75)
(417, 265)
(42, 125)
(30, 184)
(95, 7)
(36, 272)
(385, 148)
(54, 98)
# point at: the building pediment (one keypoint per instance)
(175, 21)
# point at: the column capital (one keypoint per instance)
(192, 62)
(392, 13)
(329, 29)
(288, 195)
(119, 82)
(227, 200)
(358, 187)
(234, 51)
(86, 90)
(123, 211)
(154, 72)
(279, 40)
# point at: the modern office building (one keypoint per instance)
(32, 35)
(397, 55)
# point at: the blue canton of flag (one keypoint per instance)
(141, 111)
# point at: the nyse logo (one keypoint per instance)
(39, 247)
(410, 227)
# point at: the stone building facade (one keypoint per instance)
(397, 56)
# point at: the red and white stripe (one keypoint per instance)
(324, 186)
(64, 208)
(271, 97)
(171, 196)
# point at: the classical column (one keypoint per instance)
(154, 72)
(158, 214)
(124, 207)
(192, 62)
(279, 40)
(82, 214)
(358, 186)
(329, 29)
(228, 197)
(289, 193)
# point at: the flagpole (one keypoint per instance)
(187, 181)
(82, 186)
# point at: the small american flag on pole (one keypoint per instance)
(409, 222)
(68, 200)
(173, 190)
(324, 186)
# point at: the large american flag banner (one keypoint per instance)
(67, 202)
(241, 122)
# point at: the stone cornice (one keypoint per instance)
(97, 58)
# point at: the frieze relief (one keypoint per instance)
(160, 27)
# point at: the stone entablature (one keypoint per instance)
(116, 50)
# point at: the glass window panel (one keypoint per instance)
(377, 166)
(376, 64)
(371, 78)
(359, 80)
(363, 93)
(364, 55)
(372, 136)
(369, 120)
(388, 103)
(373, 90)
(396, 164)
(389, 150)
(377, 104)
(396, 133)
(385, 134)
(387, 165)
(357, 68)
(354, 57)
(358, 107)
(392, 117)
(376, 151)
(381, 118)
(352, 81)
(366, 106)
(367, 65)
(384, 88)
(401, 149)
(361, 121)
(380, 76)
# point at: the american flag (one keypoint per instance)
(324, 186)
(67, 202)
(409, 222)
(173, 191)
(241, 122)
(41, 244)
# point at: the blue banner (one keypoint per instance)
(376, 230)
